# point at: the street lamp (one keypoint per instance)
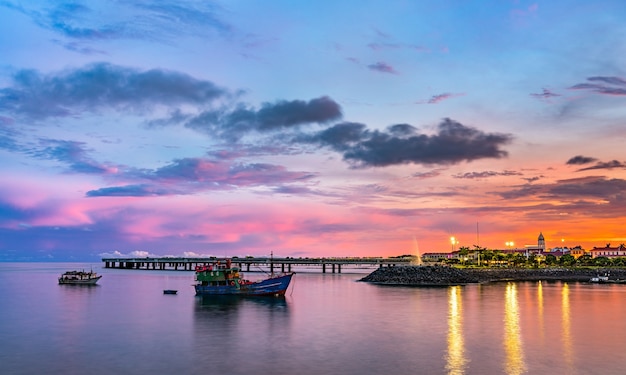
(453, 242)
(509, 244)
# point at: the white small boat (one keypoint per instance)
(79, 278)
(599, 279)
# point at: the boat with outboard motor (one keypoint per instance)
(222, 278)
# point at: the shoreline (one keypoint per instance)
(449, 276)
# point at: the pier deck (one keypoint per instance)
(285, 264)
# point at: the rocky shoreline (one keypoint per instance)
(445, 275)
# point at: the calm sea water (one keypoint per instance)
(327, 324)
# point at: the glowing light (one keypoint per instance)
(453, 242)
(455, 357)
(567, 334)
(515, 364)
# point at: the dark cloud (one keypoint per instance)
(486, 174)
(270, 117)
(579, 160)
(340, 136)
(285, 114)
(603, 85)
(102, 86)
(382, 67)
(453, 143)
(605, 165)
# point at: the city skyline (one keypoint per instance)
(346, 128)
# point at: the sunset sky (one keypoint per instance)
(309, 128)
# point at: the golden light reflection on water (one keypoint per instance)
(455, 358)
(567, 333)
(540, 310)
(514, 362)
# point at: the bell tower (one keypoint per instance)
(541, 242)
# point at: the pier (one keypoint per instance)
(248, 264)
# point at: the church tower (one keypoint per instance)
(541, 242)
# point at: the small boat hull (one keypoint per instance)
(170, 291)
(274, 286)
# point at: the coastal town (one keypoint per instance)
(531, 255)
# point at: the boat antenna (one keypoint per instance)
(272, 263)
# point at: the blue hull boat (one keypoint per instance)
(220, 279)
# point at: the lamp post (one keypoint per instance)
(453, 242)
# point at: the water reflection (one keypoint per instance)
(210, 304)
(540, 310)
(229, 328)
(455, 358)
(566, 326)
(514, 362)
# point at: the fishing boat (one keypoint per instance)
(222, 278)
(79, 278)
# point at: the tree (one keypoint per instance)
(601, 261)
(585, 260)
(463, 253)
(567, 260)
(499, 256)
(519, 259)
(487, 255)
(550, 259)
(480, 254)
(619, 262)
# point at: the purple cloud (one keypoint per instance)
(191, 175)
(486, 174)
(579, 188)
(546, 94)
(605, 165)
(603, 85)
(440, 97)
(382, 67)
(579, 159)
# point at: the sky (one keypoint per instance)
(309, 129)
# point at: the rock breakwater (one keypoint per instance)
(444, 275)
